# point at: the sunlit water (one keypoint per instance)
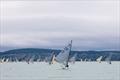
(44, 71)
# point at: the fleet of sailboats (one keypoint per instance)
(63, 58)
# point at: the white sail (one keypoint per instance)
(3, 60)
(39, 59)
(16, 59)
(63, 56)
(52, 58)
(31, 60)
(108, 59)
(85, 60)
(7, 60)
(99, 59)
(10, 59)
(81, 60)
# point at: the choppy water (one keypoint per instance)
(43, 71)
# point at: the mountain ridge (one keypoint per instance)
(27, 53)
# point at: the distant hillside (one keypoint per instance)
(44, 54)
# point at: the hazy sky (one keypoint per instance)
(92, 25)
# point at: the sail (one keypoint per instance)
(99, 59)
(7, 60)
(52, 58)
(63, 56)
(3, 60)
(108, 59)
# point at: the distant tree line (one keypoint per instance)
(34, 54)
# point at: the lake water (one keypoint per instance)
(44, 71)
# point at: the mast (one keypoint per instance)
(69, 55)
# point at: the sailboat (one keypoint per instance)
(64, 55)
(39, 58)
(7, 60)
(32, 59)
(81, 60)
(16, 59)
(108, 59)
(52, 58)
(85, 60)
(3, 60)
(99, 59)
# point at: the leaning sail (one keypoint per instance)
(63, 56)
(99, 59)
(52, 58)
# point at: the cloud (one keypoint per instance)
(93, 25)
